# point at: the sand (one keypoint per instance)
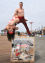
(5, 48)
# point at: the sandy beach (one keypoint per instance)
(5, 48)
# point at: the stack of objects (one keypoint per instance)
(22, 49)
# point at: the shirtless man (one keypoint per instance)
(18, 17)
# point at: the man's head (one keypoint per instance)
(21, 4)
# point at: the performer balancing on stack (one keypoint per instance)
(18, 17)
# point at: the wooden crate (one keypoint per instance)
(31, 51)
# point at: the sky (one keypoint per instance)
(34, 11)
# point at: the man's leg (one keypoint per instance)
(26, 27)
(24, 22)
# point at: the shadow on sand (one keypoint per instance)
(37, 56)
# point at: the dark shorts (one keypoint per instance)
(21, 19)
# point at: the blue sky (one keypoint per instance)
(34, 11)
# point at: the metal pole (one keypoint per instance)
(31, 26)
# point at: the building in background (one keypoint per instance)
(43, 31)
